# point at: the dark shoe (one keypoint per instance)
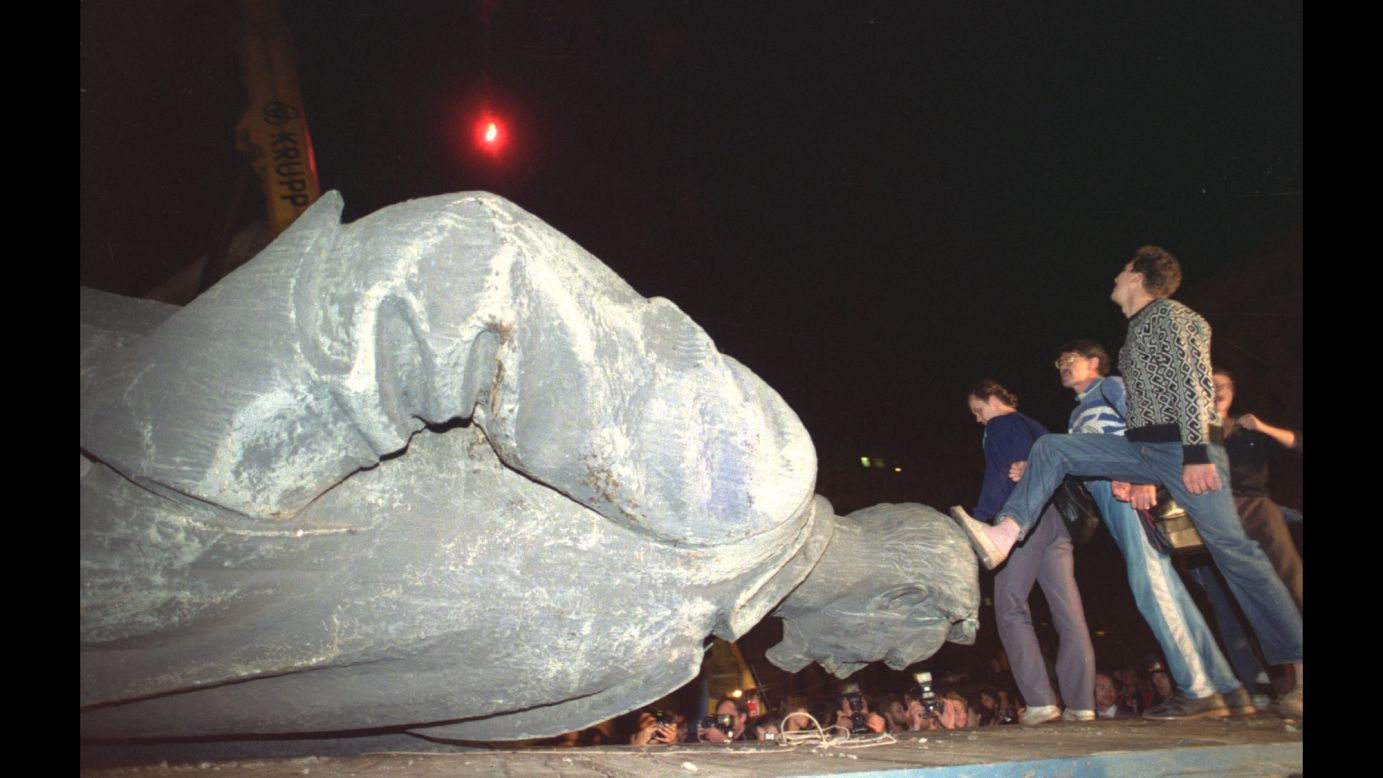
(1291, 705)
(1240, 702)
(1180, 707)
(975, 531)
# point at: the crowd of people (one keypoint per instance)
(1121, 693)
(856, 713)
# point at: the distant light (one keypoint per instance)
(897, 469)
(864, 461)
(1099, 633)
(738, 693)
(489, 134)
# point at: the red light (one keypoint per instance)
(489, 134)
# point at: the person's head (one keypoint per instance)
(1224, 390)
(739, 716)
(1160, 270)
(1152, 274)
(853, 703)
(795, 704)
(797, 709)
(1106, 692)
(988, 399)
(1161, 680)
(797, 720)
(989, 699)
(766, 727)
(1080, 362)
(895, 712)
(1127, 676)
(733, 707)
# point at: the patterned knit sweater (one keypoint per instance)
(1166, 365)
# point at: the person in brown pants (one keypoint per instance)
(1248, 440)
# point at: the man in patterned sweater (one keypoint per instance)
(1173, 438)
(1207, 686)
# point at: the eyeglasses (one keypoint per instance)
(1224, 384)
(1067, 359)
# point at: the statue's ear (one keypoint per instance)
(900, 599)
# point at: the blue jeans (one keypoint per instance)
(1193, 658)
(1260, 593)
(1234, 633)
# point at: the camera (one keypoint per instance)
(662, 716)
(724, 722)
(855, 701)
(925, 695)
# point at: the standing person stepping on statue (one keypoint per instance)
(1174, 438)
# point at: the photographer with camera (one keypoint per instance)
(855, 716)
(659, 727)
(726, 725)
(950, 711)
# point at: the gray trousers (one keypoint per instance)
(1045, 558)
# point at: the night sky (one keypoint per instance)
(870, 204)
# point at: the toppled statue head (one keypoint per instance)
(892, 586)
(442, 469)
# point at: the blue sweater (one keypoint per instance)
(1007, 439)
(1101, 408)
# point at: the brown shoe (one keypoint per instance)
(1240, 702)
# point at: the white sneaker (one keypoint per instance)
(989, 554)
(1071, 714)
(1040, 714)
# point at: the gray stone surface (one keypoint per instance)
(894, 584)
(1261, 745)
(442, 469)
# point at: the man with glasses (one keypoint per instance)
(1208, 687)
(1174, 437)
